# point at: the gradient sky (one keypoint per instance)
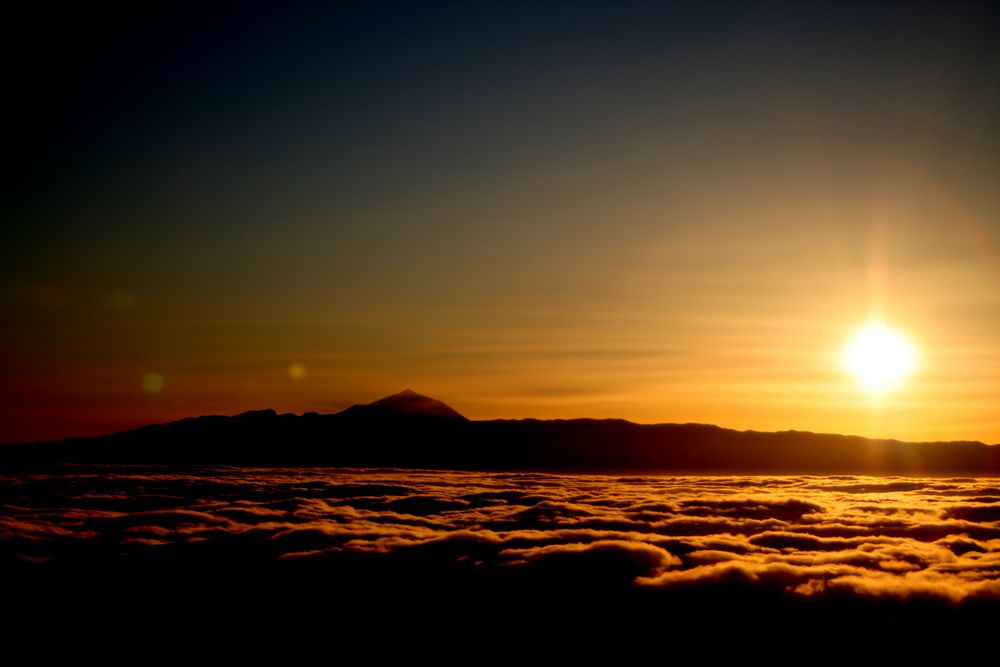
(655, 211)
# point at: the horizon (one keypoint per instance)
(577, 418)
(760, 216)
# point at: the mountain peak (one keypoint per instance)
(409, 402)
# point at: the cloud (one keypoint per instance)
(752, 508)
(676, 543)
(626, 558)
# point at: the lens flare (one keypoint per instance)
(153, 383)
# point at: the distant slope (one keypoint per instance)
(411, 430)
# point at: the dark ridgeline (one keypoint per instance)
(415, 431)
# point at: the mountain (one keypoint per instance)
(406, 403)
(411, 430)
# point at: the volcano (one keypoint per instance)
(408, 403)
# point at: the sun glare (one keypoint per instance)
(879, 358)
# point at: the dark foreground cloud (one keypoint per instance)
(676, 544)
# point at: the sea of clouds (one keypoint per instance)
(794, 539)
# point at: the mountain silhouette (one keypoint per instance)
(406, 402)
(408, 429)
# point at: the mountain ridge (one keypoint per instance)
(408, 429)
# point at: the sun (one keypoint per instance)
(879, 358)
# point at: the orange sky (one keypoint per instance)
(631, 223)
(736, 319)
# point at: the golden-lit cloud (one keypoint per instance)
(842, 539)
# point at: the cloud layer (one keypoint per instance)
(811, 541)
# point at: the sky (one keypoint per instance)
(663, 212)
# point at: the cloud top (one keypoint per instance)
(791, 540)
